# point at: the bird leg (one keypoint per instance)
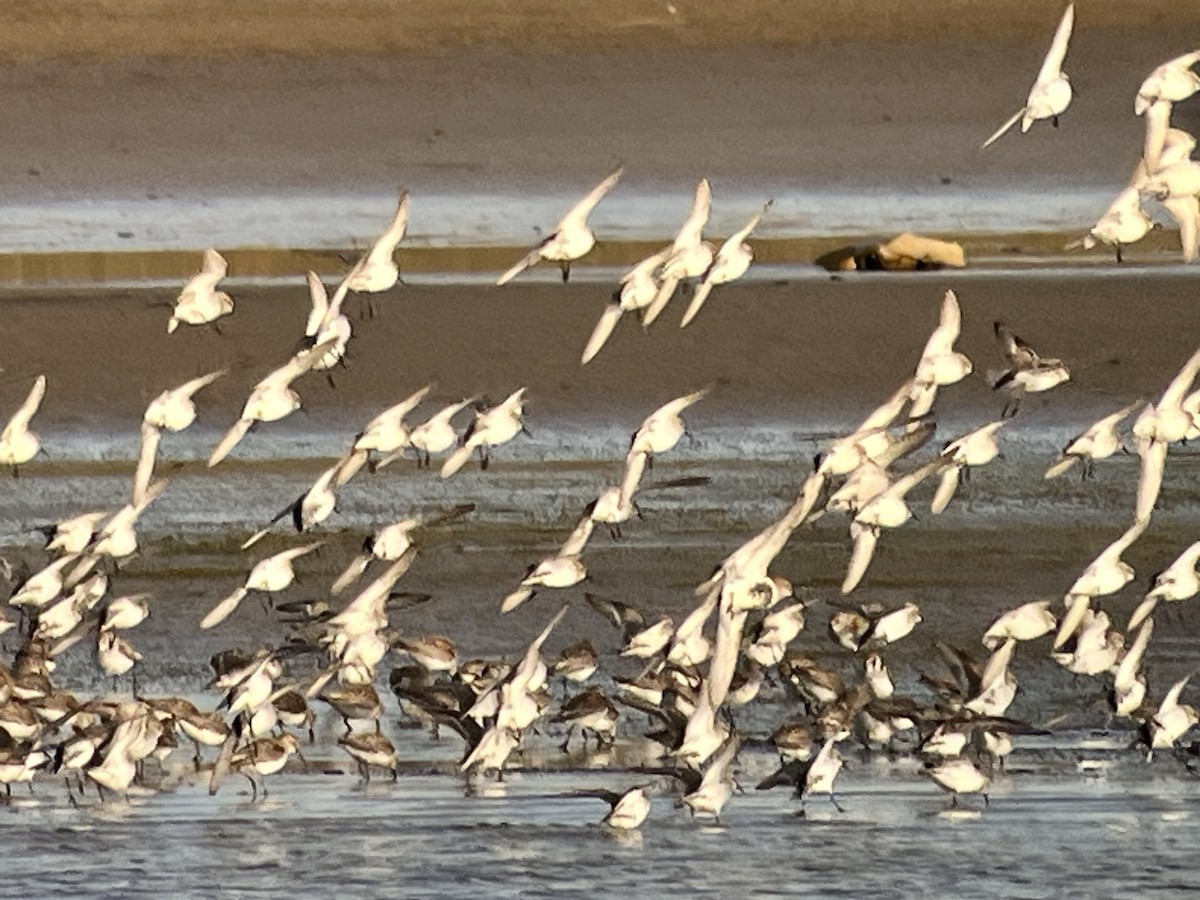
(567, 741)
(565, 265)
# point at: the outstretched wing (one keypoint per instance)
(1052, 64)
(1000, 132)
(577, 216)
(384, 248)
(689, 235)
(23, 415)
(865, 539)
(602, 332)
(529, 260)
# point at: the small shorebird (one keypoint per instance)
(173, 410)
(385, 435)
(492, 427)
(370, 748)
(1100, 441)
(589, 711)
(1028, 373)
(940, 364)
(271, 399)
(731, 262)
(627, 810)
(1157, 427)
(639, 286)
(200, 303)
(977, 448)
(571, 239)
(377, 271)
(1051, 93)
(18, 445)
(663, 428)
(690, 254)
(270, 575)
(1171, 82)
(434, 435)
(1178, 582)
(1027, 622)
(1105, 575)
(264, 757)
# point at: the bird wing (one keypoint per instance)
(747, 229)
(666, 290)
(577, 216)
(1158, 120)
(384, 248)
(690, 233)
(23, 415)
(946, 489)
(1182, 383)
(145, 465)
(352, 573)
(212, 270)
(297, 552)
(678, 405)
(1154, 461)
(224, 609)
(1132, 661)
(1186, 211)
(999, 133)
(578, 538)
(941, 342)
(527, 261)
(635, 466)
(602, 332)
(1018, 353)
(1172, 699)
(189, 388)
(237, 431)
(698, 299)
(865, 539)
(1052, 65)
(320, 304)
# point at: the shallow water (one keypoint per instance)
(1077, 813)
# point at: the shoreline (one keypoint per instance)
(786, 258)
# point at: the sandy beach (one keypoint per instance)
(139, 133)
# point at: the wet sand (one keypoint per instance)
(812, 352)
(823, 112)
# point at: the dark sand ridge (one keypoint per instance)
(777, 351)
(209, 28)
(843, 114)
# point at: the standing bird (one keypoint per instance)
(377, 271)
(572, 238)
(1051, 93)
(731, 262)
(200, 303)
(18, 445)
(627, 810)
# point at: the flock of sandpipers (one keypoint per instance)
(697, 670)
